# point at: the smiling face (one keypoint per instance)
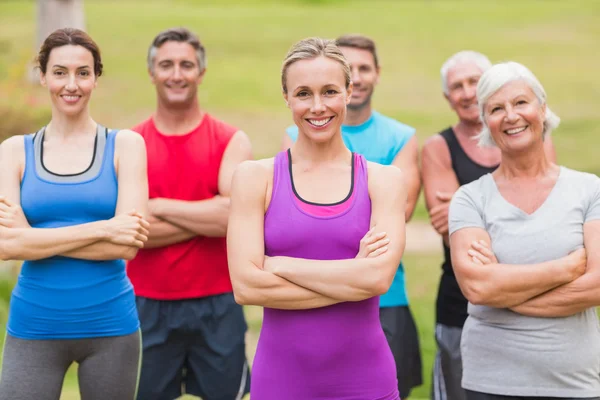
(70, 78)
(515, 117)
(176, 74)
(317, 96)
(462, 82)
(365, 75)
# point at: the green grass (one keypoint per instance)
(422, 271)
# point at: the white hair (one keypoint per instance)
(498, 76)
(465, 56)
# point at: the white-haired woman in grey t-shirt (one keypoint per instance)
(525, 244)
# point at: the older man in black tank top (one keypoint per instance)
(450, 159)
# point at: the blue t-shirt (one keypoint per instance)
(379, 139)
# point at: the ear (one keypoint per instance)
(448, 100)
(349, 92)
(378, 72)
(151, 75)
(285, 97)
(201, 76)
(543, 109)
(42, 79)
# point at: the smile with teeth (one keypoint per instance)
(514, 131)
(70, 98)
(319, 122)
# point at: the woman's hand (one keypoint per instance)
(373, 244)
(481, 254)
(576, 261)
(11, 215)
(129, 229)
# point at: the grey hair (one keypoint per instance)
(465, 56)
(182, 35)
(495, 78)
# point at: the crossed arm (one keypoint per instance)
(94, 241)
(293, 283)
(570, 298)
(174, 221)
(408, 162)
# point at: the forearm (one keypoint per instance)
(508, 285)
(203, 217)
(101, 251)
(414, 188)
(344, 280)
(39, 243)
(265, 289)
(164, 233)
(565, 300)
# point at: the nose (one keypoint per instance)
(511, 115)
(177, 73)
(71, 85)
(470, 91)
(318, 107)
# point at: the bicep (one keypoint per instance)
(239, 149)
(437, 172)
(591, 238)
(12, 160)
(245, 236)
(132, 175)
(460, 243)
(407, 160)
(388, 205)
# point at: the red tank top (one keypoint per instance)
(184, 167)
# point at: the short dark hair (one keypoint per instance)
(182, 35)
(359, 42)
(69, 36)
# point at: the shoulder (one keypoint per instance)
(130, 143)
(584, 181)
(393, 126)
(144, 126)
(475, 192)
(436, 147)
(13, 144)
(219, 126)
(252, 176)
(384, 177)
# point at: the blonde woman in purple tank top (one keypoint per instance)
(315, 236)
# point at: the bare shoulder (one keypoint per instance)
(128, 139)
(436, 145)
(385, 178)
(253, 174)
(13, 148)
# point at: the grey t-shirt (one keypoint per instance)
(510, 354)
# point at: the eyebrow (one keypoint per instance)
(62, 66)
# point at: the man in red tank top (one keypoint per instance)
(192, 329)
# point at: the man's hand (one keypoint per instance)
(439, 213)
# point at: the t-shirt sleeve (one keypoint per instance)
(465, 209)
(404, 134)
(593, 210)
(292, 132)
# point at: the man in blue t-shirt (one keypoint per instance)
(385, 141)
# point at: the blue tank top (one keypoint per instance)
(379, 139)
(62, 297)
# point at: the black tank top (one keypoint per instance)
(451, 305)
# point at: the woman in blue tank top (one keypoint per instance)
(315, 236)
(72, 200)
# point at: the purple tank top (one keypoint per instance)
(337, 352)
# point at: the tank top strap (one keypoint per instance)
(30, 150)
(361, 171)
(456, 150)
(281, 178)
(108, 166)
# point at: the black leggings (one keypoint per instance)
(35, 369)
(471, 395)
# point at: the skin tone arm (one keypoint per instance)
(358, 279)
(506, 285)
(207, 217)
(571, 298)
(439, 182)
(18, 241)
(408, 162)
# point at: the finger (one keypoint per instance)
(378, 252)
(438, 208)
(145, 223)
(142, 238)
(377, 245)
(4, 207)
(144, 231)
(476, 260)
(479, 256)
(138, 243)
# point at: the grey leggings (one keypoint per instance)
(35, 369)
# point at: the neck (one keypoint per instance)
(171, 120)
(65, 126)
(468, 128)
(357, 116)
(306, 150)
(525, 164)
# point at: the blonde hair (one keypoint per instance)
(494, 79)
(310, 48)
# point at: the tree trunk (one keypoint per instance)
(56, 14)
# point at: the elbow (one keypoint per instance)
(9, 250)
(243, 295)
(129, 253)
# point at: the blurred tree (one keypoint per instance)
(56, 14)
